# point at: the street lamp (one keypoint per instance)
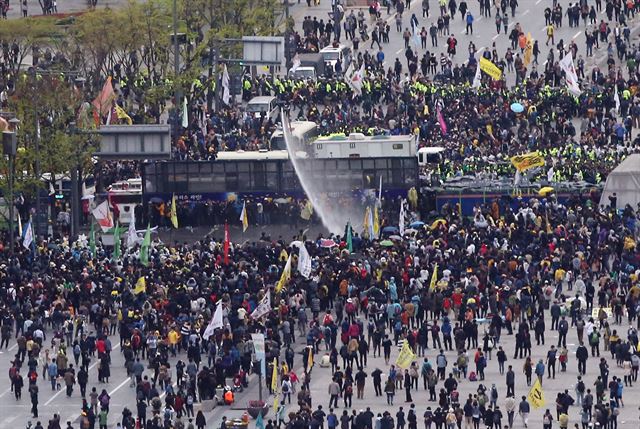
(9, 148)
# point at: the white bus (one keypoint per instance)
(357, 145)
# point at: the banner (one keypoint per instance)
(141, 286)
(489, 68)
(536, 395)
(274, 379)
(527, 161)
(304, 262)
(406, 356)
(258, 347)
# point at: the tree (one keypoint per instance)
(21, 36)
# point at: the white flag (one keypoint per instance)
(401, 221)
(132, 235)
(185, 114)
(354, 80)
(217, 321)
(304, 262)
(295, 63)
(226, 91)
(103, 216)
(616, 98)
(477, 79)
(571, 77)
(264, 307)
(27, 238)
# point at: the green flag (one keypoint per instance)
(116, 242)
(144, 249)
(259, 421)
(349, 239)
(92, 241)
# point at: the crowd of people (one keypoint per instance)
(466, 295)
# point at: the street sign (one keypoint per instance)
(262, 51)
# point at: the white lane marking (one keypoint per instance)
(398, 51)
(126, 380)
(538, 1)
(577, 34)
(495, 37)
(13, 346)
(5, 392)
(525, 12)
(165, 392)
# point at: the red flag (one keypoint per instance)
(103, 102)
(226, 244)
(443, 124)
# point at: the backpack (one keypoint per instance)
(349, 389)
(580, 386)
(473, 376)
(285, 388)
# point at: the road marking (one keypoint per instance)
(398, 51)
(119, 386)
(525, 12)
(5, 392)
(13, 346)
(538, 1)
(165, 391)
(577, 34)
(62, 389)
(495, 37)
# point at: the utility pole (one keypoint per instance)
(37, 231)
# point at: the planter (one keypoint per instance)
(255, 408)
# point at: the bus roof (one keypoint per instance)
(358, 137)
(252, 155)
(431, 150)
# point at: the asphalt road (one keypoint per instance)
(15, 413)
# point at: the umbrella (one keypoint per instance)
(390, 229)
(386, 243)
(517, 108)
(156, 200)
(416, 224)
(410, 231)
(395, 237)
(327, 243)
(543, 192)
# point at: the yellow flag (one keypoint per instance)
(434, 277)
(286, 275)
(489, 68)
(121, 114)
(274, 377)
(307, 211)
(275, 404)
(174, 212)
(243, 217)
(310, 359)
(376, 222)
(406, 356)
(536, 395)
(528, 51)
(141, 286)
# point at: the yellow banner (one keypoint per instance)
(491, 69)
(434, 277)
(527, 161)
(536, 395)
(274, 377)
(406, 356)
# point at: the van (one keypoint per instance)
(266, 104)
(430, 155)
(331, 56)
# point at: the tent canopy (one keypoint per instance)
(624, 181)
